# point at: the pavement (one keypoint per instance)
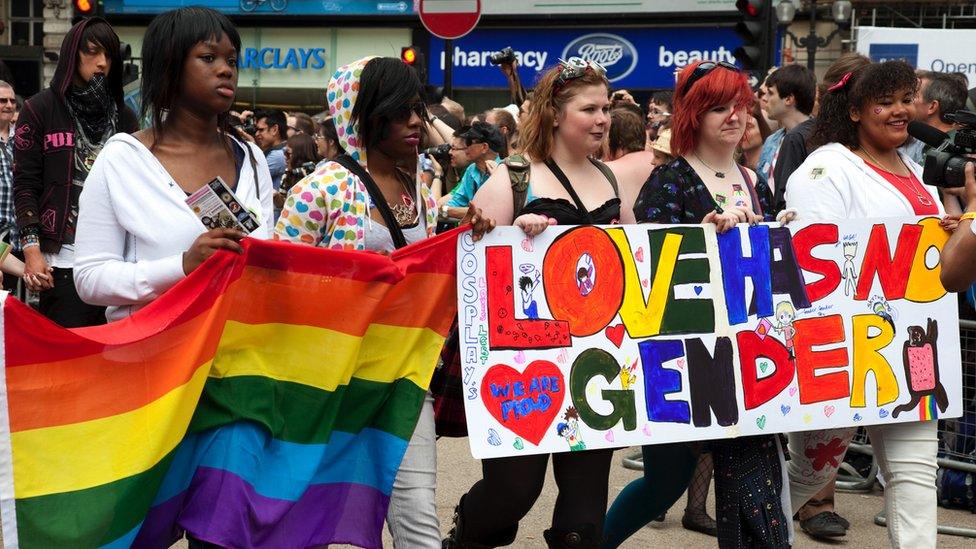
(457, 471)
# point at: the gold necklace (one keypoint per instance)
(919, 193)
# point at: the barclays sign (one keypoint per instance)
(613, 52)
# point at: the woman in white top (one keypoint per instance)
(858, 172)
(136, 236)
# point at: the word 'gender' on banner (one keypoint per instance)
(599, 337)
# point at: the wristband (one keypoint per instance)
(29, 241)
(967, 215)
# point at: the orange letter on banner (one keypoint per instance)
(892, 272)
(811, 332)
(868, 359)
(584, 280)
(755, 391)
(924, 285)
(804, 242)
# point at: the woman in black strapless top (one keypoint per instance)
(567, 123)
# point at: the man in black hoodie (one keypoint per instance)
(59, 134)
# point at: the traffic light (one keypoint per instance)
(755, 29)
(84, 8)
(413, 56)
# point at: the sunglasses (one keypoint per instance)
(404, 112)
(702, 70)
(5, 100)
(574, 68)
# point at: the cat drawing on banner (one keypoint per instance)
(920, 356)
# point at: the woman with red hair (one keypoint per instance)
(704, 184)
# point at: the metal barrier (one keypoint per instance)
(953, 433)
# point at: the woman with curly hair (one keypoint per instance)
(858, 172)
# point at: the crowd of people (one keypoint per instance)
(94, 209)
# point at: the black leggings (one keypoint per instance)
(510, 487)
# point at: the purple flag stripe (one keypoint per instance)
(220, 507)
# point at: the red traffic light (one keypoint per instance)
(752, 8)
(84, 7)
(408, 55)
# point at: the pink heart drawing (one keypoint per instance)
(520, 357)
(527, 244)
(681, 363)
(562, 356)
(640, 254)
(609, 436)
(647, 429)
(829, 410)
(792, 391)
(645, 283)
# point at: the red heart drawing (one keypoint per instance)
(640, 254)
(615, 334)
(524, 403)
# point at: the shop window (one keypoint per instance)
(27, 22)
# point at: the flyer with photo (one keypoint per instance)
(218, 207)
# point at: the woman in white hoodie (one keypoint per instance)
(137, 237)
(858, 172)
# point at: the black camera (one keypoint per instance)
(945, 165)
(302, 171)
(503, 57)
(440, 153)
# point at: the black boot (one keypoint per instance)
(455, 538)
(582, 537)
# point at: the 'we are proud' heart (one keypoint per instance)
(525, 403)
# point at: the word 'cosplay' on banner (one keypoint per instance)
(264, 401)
(599, 337)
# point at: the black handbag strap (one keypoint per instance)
(396, 233)
(254, 172)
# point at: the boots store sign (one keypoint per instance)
(634, 58)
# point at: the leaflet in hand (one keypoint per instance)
(218, 207)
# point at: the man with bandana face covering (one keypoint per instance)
(59, 134)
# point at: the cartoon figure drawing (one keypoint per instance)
(785, 315)
(585, 274)
(738, 195)
(921, 361)
(850, 273)
(628, 375)
(569, 430)
(528, 284)
(880, 306)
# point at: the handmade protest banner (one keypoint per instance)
(600, 337)
(265, 401)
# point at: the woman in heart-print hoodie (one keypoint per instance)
(379, 116)
(331, 207)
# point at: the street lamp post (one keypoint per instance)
(786, 11)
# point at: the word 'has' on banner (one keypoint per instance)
(600, 337)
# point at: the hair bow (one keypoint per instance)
(841, 83)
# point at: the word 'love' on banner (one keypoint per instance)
(600, 337)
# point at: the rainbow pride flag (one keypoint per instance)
(265, 401)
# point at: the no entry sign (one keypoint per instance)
(450, 19)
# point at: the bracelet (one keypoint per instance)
(967, 215)
(29, 241)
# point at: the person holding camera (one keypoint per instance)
(858, 172)
(483, 145)
(301, 156)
